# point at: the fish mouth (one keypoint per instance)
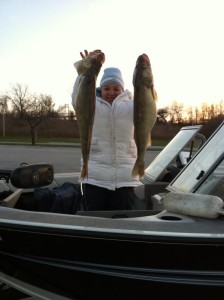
(143, 60)
(145, 56)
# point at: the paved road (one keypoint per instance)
(64, 159)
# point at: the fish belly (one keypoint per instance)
(144, 120)
(85, 111)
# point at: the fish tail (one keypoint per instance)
(138, 169)
(84, 172)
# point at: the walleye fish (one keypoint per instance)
(88, 68)
(145, 111)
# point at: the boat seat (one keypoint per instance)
(12, 199)
(60, 178)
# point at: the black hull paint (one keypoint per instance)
(105, 265)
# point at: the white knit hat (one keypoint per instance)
(112, 75)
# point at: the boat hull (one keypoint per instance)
(88, 263)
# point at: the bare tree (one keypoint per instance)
(47, 105)
(190, 113)
(197, 115)
(204, 112)
(30, 107)
(221, 107)
(4, 103)
(3, 109)
(163, 113)
(176, 112)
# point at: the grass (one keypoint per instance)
(27, 139)
(162, 142)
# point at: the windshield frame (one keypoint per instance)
(201, 165)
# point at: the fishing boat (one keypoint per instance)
(171, 250)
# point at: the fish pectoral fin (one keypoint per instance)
(147, 82)
(154, 93)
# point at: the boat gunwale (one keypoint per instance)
(111, 233)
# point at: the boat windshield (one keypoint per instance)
(170, 152)
(199, 168)
(214, 183)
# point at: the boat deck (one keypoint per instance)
(126, 222)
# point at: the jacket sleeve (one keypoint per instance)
(75, 90)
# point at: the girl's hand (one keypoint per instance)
(97, 54)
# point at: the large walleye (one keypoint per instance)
(88, 69)
(145, 111)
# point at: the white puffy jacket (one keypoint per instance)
(113, 149)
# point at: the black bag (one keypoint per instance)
(64, 199)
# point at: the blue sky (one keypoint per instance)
(41, 39)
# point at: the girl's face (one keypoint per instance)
(109, 91)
